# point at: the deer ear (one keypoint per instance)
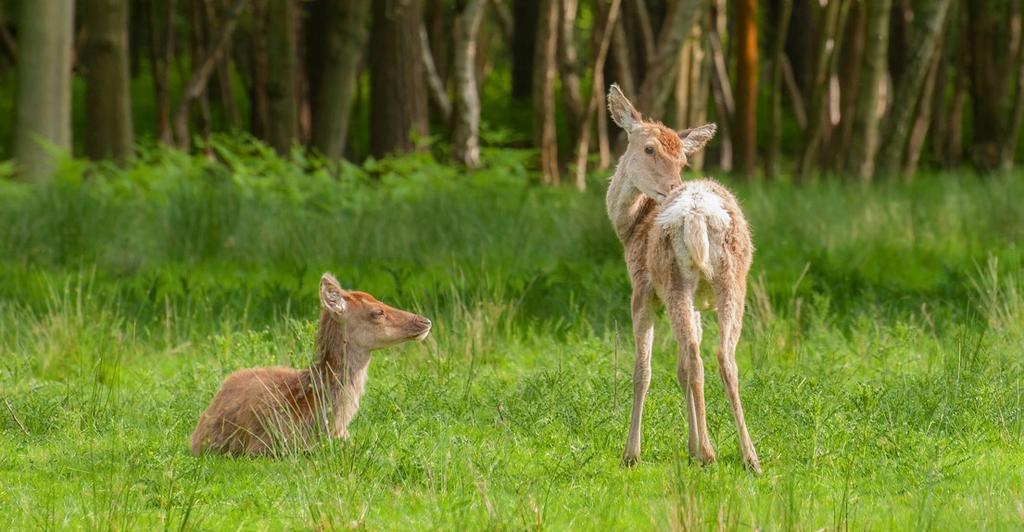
(622, 111)
(332, 296)
(695, 138)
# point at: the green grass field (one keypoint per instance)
(882, 363)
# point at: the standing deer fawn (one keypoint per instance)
(678, 238)
(271, 410)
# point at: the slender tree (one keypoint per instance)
(466, 114)
(197, 83)
(860, 160)
(108, 102)
(785, 8)
(851, 63)
(829, 41)
(398, 103)
(595, 104)
(1016, 118)
(989, 62)
(929, 22)
(283, 82)
(659, 75)
(43, 117)
(342, 41)
(159, 17)
(746, 87)
(546, 63)
(568, 63)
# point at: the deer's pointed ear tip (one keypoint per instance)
(329, 280)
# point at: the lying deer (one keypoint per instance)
(678, 238)
(271, 410)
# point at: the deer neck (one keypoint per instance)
(627, 206)
(343, 369)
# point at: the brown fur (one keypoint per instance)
(662, 270)
(273, 410)
(669, 140)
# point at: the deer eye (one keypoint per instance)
(377, 314)
(649, 150)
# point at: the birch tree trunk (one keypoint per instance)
(466, 114)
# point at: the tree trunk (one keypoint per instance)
(622, 60)
(829, 42)
(398, 105)
(108, 102)
(658, 78)
(569, 67)
(345, 31)
(953, 144)
(544, 91)
(725, 107)
(197, 83)
(221, 81)
(746, 87)
(259, 101)
(930, 21)
(161, 53)
(922, 120)
(282, 84)
(851, 62)
(525, 14)
(198, 52)
(595, 105)
(43, 115)
(860, 161)
(8, 48)
(438, 92)
(466, 117)
(785, 8)
(1012, 131)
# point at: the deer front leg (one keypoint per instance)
(643, 335)
(691, 372)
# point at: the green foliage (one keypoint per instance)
(881, 359)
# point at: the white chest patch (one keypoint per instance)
(696, 199)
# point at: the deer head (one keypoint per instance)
(656, 155)
(367, 322)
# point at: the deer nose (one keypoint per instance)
(675, 186)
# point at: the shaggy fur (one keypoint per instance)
(275, 410)
(684, 243)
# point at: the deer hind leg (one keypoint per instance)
(684, 385)
(686, 325)
(730, 319)
(643, 335)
